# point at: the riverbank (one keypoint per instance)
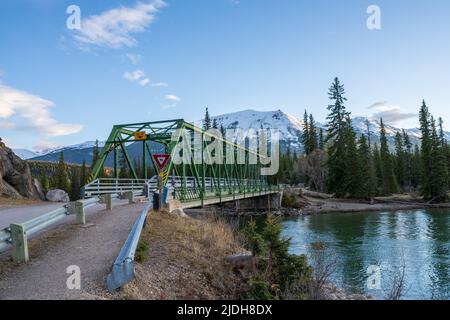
(184, 258)
(300, 202)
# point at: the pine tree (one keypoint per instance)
(368, 175)
(207, 121)
(354, 178)
(83, 174)
(215, 124)
(426, 152)
(321, 140)
(416, 167)
(95, 154)
(408, 154)
(312, 131)
(400, 161)
(339, 168)
(388, 180)
(123, 167)
(439, 173)
(75, 184)
(305, 135)
(62, 177)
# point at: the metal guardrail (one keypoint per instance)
(5, 238)
(17, 234)
(123, 268)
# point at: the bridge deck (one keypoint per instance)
(228, 198)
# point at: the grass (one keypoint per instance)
(9, 202)
(183, 258)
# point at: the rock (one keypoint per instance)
(15, 177)
(179, 212)
(241, 262)
(57, 195)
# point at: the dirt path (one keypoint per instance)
(92, 247)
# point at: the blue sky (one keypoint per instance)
(136, 61)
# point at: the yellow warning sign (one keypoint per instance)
(140, 136)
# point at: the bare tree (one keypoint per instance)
(324, 265)
(313, 167)
(397, 287)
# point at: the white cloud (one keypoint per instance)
(134, 76)
(138, 76)
(160, 85)
(34, 110)
(144, 82)
(172, 97)
(134, 58)
(390, 113)
(114, 28)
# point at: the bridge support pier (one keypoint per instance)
(268, 202)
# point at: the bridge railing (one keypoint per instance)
(102, 186)
(16, 236)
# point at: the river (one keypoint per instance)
(384, 243)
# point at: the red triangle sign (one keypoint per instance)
(161, 160)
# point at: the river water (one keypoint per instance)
(385, 243)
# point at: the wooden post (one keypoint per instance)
(20, 243)
(107, 198)
(79, 212)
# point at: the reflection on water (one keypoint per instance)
(417, 239)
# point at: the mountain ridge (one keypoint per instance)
(290, 128)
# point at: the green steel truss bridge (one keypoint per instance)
(192, 183)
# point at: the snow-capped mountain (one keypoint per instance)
(289, 126)
(25, 154)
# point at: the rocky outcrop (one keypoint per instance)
(15, 177)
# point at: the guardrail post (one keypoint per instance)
(79, 212)
(19, 243)
(107, 198)
(130, 196)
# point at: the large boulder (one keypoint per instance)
(57, 195)
(15, 177)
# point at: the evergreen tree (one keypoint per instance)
(83, 174)
(123, 167)
(416, 168)
(426, 151)
(408, 161)
(354, 178)
(439, 173)
(215, 124)
(62, 177)
(75, 184)
(305, 134)
(368, 175)
(207, 121)
(388, 180)
(321, 140)
(339, 169)
(95, 154)
(400, 161)
(312, 130)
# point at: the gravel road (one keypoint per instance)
(92, 247)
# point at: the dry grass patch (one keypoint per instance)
(185, 260)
